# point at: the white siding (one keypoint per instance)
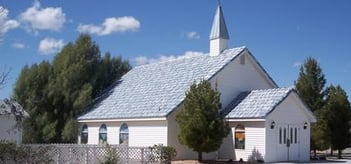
(147, 133)
(217, 46)
(305, 144)
(254, 140)
(226, 150)
(113, 133)
(271, 141)
(290, 112)
(93, 133)
(8, 132)
(141, 133)
(236, 78)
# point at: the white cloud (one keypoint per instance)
(43, 18)
(297, 64)
(192, 35)
(111, 25)
(5, 23)
(50, 45)
(141, 60)
(18, 45)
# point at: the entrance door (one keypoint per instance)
(294, 137)
(288, 142)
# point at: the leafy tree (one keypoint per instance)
(56, 93)
(338, 115)
(310, 86)
(201, 126)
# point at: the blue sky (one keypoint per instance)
(280, 34)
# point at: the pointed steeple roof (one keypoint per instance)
(219, 28)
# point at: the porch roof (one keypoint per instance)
(255, 103)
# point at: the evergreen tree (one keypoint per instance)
(31, 88)
(310, 86)
(56, 93)
(337, 112)
(201, 126)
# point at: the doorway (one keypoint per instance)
(288, 142)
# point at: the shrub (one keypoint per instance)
(111, 156)
(164, 154)
(6, 150)
(12, 153)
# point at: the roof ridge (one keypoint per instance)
(170, 61)
(187, 58)
(278, 88)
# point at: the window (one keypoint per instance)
(242, 59)
(284, 139)
(84, 134)
(103, 134)
(280, 135)
(291, 135)
(240, 137)
(123, 134)
(295, 135)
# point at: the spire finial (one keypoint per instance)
(219, 28)
(219, 34)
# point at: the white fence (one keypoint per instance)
(87, 154)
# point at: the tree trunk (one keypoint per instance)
(331, 151)
(339, 154)
(199, 156)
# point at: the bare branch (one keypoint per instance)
(3, 78)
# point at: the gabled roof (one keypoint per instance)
(11, 107)
(155, 90)
(219, 28)
(256, 103)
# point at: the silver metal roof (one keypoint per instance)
(155, 90)
(256, 103)
(11, 107)
(219, 28)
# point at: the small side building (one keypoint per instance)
(269, 125)
(11, 114)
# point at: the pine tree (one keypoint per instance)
(337, 112)
(201, 126)
(310, 86)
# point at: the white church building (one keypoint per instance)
(267, 122)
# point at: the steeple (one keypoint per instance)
(219, 34)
